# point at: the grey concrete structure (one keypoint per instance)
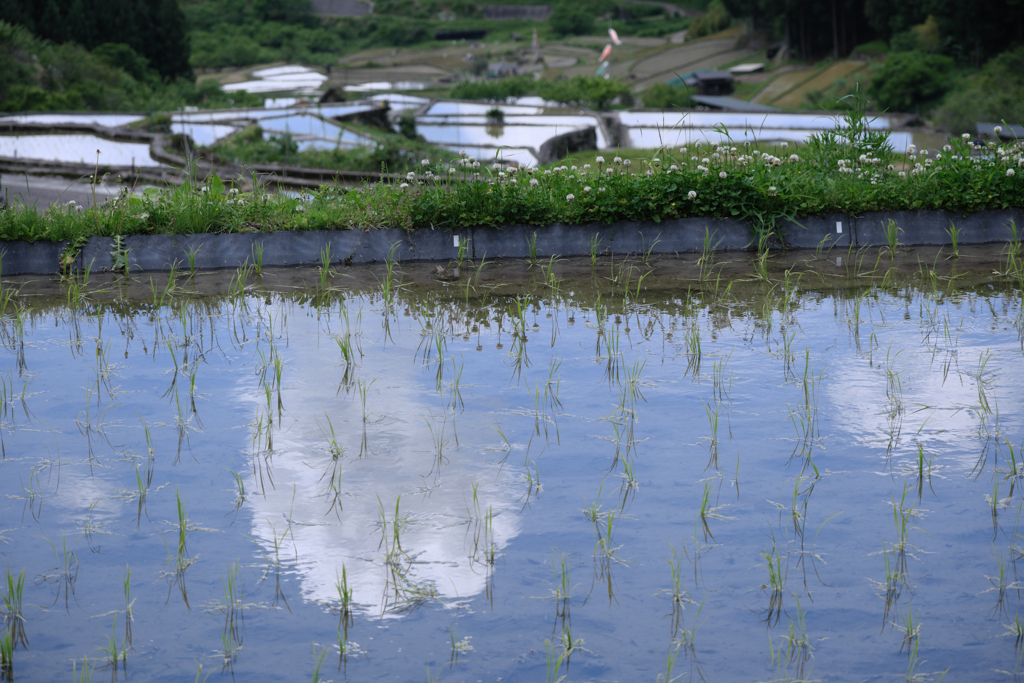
(287, 248)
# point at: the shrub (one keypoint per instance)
(908, 80)
(572, 18)
(716, 19)
(665, 96)
(995, 94)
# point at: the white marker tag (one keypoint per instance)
(839, 227)
(839, 260)
(456, 240)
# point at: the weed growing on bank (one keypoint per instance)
(849, 169)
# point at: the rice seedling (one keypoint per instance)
(983, 380)
(550, 279)
(954, 239)
(914, 664)
(1001, 585)
(257, 257)
(439, 444)
(318, 660)
(648, 250)
(390, 283)
(693, 350)
(115, 652)
(85, 676)
(761, 273)
(531, 247)
(892, 238)
(721, 387)
(554, 660)
(460, 646)
(910, 627)
(595, 244)
(562, 592)
(708, 511)
(789, 661)
(64, 574)
(190, 255)
(706, 261)
(1015, 629)
(776, 568)
(14, 609)
(345, 602)
(712, 438)
(7, 655)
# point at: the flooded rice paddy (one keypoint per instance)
(805, 469)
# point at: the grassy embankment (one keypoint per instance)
(846, 170)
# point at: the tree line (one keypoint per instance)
(154, 29)
(968, 32)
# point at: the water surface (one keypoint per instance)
(487, 437)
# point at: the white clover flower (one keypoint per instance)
(204, 190)
(698, 144)
(609, 171)
(547, 172)
(300, 208)
(682, 150)
(476, 164)
(794, 158)
(410, 176)
(451, 171)
(617, 160)
(72, 203)
(771, 189)
(673, 167)
(902, 174)
(716, 156)
(599, 160)
(587, 188)
(723, 175)
(649, 173)
(694, 159)
(533, 182)
(501, 174)
(424, 162)
(495, 166)
(692, 195)
(947, 148)
(233, 192)
(428, 174)
(462, 152)
(784, 145)
(513, 181)
(705, 161)
(570, 198)
(1009, 173)
(472, 159)
(965, 137)
(404, 186)
(573, 169)
(626, 162)
(997, 130)
(890, 167)
(757, 152)
(586, 167)
(656, 161)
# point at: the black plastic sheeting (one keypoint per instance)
(211, 251)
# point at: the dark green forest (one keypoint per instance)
(953, 60)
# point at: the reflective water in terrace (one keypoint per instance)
(491, 433)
